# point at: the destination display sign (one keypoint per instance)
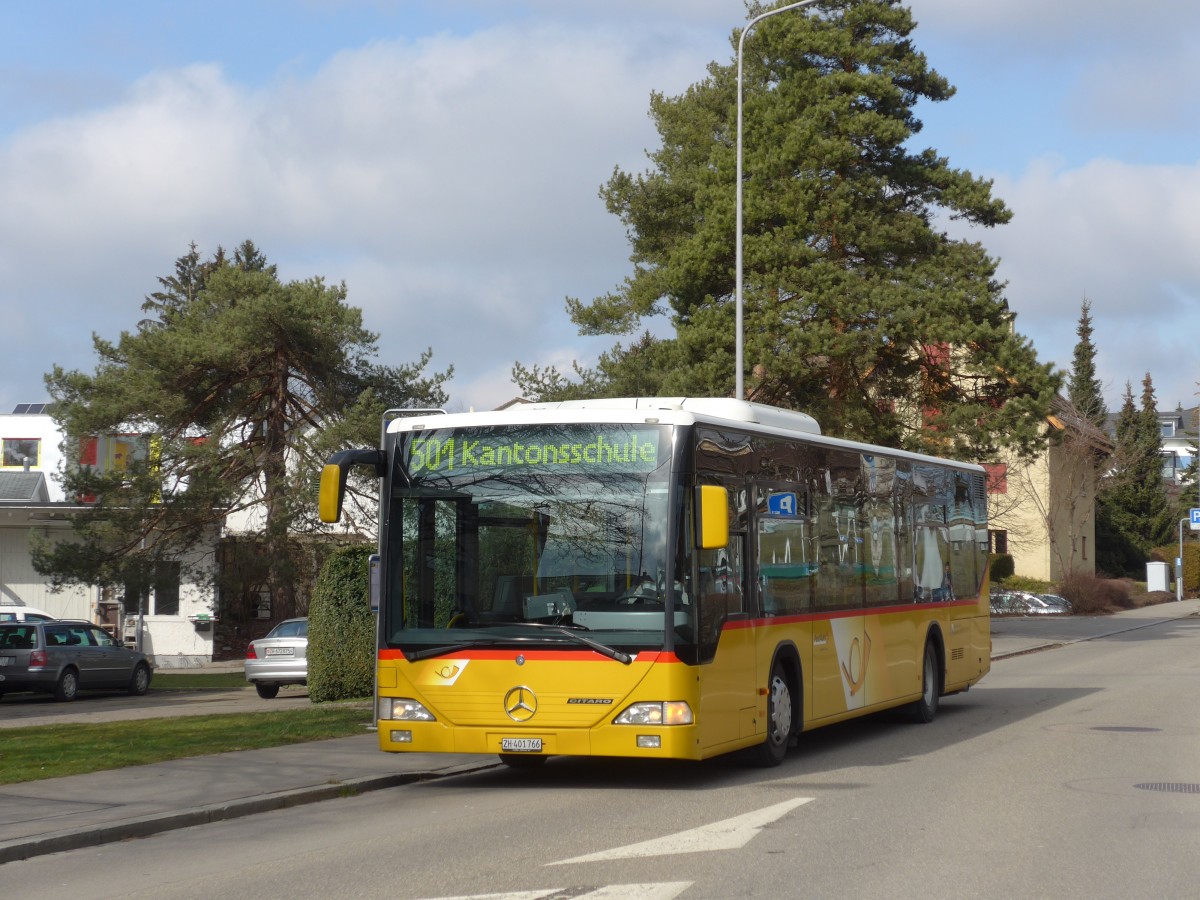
(560, 449)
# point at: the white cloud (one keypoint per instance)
(451, 182)
(1123, 236)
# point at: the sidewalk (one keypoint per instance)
(39, 817)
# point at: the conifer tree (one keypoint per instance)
(1154, 505)
(1083, 387)
(859, 307)
(1133, 516)
(231, 387)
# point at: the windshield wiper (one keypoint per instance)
(603, 649)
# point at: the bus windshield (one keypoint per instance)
(524, 534)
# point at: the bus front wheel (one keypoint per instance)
(779, 719)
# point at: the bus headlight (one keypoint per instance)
(403, 709)
(669, 712)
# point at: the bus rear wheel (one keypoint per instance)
(924, 709)
(779, 719)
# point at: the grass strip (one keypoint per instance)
(52, 751)
(181, 681)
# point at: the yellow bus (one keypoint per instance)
(662, 578)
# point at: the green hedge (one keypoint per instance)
(1191, 562)
(341, 628)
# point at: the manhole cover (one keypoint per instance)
(1126, 729)
(1169, 787)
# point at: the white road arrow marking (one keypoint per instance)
(666, 890)
(729, 834)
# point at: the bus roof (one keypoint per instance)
(657, 410)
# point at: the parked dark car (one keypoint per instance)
(279, 658)
(64, 657)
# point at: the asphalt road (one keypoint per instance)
(1069, 773)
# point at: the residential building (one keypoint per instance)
(172, 617)
(1042, 511)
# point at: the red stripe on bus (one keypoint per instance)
(645, 656)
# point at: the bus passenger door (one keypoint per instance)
(841, 646)
(727, 672)
(841, 656)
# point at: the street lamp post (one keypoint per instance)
(740, 349)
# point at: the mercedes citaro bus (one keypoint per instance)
(661, 578)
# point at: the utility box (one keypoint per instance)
(1157, 576)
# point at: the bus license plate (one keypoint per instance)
(521, 745)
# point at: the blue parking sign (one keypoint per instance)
(1195, 517)
(784, 504)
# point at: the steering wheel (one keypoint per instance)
(640, 594)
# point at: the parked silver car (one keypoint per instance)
(1062, 603)
(64, 657)
(1023, 603)
(279, 658)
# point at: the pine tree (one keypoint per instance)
(1083, 387)
(1155, 507)
(859, 309)
(1134, 515)
(234, 387)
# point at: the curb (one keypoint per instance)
(95, 835)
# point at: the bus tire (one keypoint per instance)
(780, 719)
(924, 709)
(519, 761)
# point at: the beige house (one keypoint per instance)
(1043, 511)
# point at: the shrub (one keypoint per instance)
(341, 628)
(1090, 595)
(1001, 567)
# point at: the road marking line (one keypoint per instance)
(729, 834)
(666, 890)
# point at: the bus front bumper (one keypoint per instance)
(642, 741)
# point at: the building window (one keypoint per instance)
(160, 597)
(998, 541)
(166, 589)
(18, 452)
(1167, 429)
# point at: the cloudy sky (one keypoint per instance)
(443, 159)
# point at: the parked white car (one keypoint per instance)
(25, 614)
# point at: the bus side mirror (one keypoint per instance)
(333, 479)
(712, 506)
